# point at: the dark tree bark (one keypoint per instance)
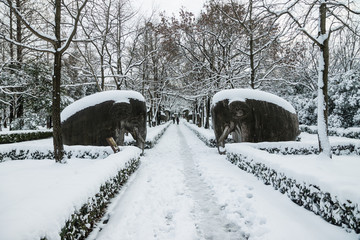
(57, 138)
(19, 48)
(208, 109)
(11, 36)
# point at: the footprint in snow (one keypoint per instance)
(249, 195)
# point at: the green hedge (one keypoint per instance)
(22, 154)
(344, 214)
(340, 132)
(24, 136)
(336, 150)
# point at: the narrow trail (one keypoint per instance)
(211, 223)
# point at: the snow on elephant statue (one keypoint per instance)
(92, 119)
(252, 116)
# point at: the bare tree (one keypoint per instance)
(333, 15)
(261, 33)
(59, 46)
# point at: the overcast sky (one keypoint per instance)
(170, 6)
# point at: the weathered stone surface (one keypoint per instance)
(252, 120)
(111, 118)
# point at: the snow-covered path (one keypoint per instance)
(185, 190)
(210, 221)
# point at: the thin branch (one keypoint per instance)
(28, 25)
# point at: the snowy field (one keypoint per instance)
(182, 190)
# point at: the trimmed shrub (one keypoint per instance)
(340, 132)
(24, 136)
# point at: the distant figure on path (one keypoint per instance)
(173, 118)
(177, 120)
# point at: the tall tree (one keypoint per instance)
(59, 45)
(333, 15)
(261, 39)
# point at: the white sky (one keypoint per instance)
(170, 6)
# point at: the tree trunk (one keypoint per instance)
(252, 65)
(11, 36)
(102, 85)
(19, 48)
(251, 43)
(207, 122)
(57, 137)
(324, 144)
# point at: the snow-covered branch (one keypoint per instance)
(33, 48)
(28, 25)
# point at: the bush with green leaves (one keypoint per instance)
(340, 132)
(24, 136)
(22, 154)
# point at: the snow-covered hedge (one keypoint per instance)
(86, 153)
(353, 132)
(285, 148)
(12, 137)
(344, 149)
(345, 214)
(83, 220)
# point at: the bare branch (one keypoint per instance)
(42, 36)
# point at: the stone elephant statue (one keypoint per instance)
(252, 116)
(92, 119)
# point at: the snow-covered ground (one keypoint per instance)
(182, 190)
(339, 175)
(38, 196)
(186, 190)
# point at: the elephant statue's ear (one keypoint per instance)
(120, 110)
(239, 110)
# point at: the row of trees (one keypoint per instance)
(74, 48)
